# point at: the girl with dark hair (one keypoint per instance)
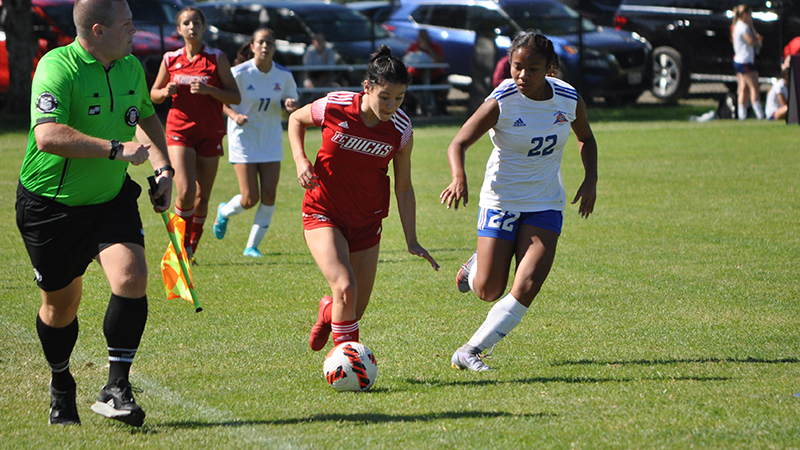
(255, 145)
(347, 189)
(198, 79)
(528, 118)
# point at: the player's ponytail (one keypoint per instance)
(385, 68)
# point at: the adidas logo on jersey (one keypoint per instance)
(251, 88)
(344, 125)
(519, 123)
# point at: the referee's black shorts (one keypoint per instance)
(62, 240)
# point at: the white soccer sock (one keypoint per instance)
(473, 269)
(742, 112)
(759, 110)
(233, 207)
(260, 224)
(506, 314)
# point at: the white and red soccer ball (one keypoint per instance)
(350, 366)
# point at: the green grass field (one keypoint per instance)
(670, 319)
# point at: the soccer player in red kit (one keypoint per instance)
(199, 80)
(347, 189)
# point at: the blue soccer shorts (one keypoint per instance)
(505, 224)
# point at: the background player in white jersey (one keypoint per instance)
(528, 118)
(255, 147)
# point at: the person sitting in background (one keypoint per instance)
(319, 54)
(777, 97)
(425, 51)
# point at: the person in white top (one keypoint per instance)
(255, 145)
(777, 97)
(746, 43)
(528, 118)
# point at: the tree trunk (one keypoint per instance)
(21, 45)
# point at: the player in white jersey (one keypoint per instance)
(255, 145)
(522, 200)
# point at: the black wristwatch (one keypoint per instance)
(115, 148)
(166, 168)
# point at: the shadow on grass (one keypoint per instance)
(656, 362)
(568, 380)
(364, 419)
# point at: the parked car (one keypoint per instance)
(601, 12)
(611, 63)
(691, 39)
(377, 11)
(158, 17)
(352, 35)
(53, 27)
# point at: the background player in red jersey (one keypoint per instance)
(347, 189)
(199, 80)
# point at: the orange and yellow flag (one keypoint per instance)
(175, 266)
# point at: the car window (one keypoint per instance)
(342, 25)
(285, 25)
(244, 20)
(450, 16)
(232, 18)
(153, 12)
(719, 5)
(61, 15)
(485, 19)
(421, 14)
(382, 14)
(548, 18)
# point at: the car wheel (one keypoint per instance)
(670, 78)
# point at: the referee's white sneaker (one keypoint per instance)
(468, 361)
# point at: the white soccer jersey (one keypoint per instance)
(773, 104)
(524, 170)
(260, 139)
(743, 52)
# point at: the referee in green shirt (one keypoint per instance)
(76, 202)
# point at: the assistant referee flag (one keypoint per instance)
(175, 265)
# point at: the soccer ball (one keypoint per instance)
(350, 366)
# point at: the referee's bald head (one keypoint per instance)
(89, 12)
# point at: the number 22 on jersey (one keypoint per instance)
(548, 142)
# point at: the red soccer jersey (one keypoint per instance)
(194, 115)
(353, 162)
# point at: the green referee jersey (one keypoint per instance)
(71, 87)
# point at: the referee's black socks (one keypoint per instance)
(123, 327)
(57, 344)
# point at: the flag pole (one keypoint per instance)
(177, 245)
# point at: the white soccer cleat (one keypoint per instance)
(468, 361)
